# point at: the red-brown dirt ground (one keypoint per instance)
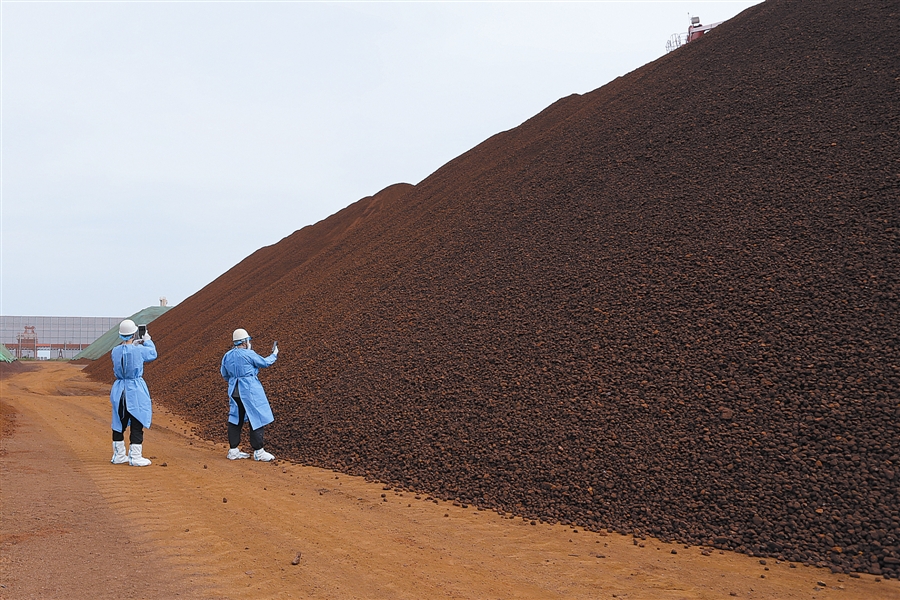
(195, 525)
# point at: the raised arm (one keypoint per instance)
(261, 363)
(148, 349)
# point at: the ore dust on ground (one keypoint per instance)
(195, 525)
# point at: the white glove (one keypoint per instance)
(146, 337)
(275, 351)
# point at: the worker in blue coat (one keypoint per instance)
(130, 398)
(247, 398)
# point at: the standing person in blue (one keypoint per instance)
(248, 401)
(130, 398)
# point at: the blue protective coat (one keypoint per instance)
(128, 365)
(240, 367)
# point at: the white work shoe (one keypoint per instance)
(262, 455)
(134, 456)
(119, 457)
(235, 454)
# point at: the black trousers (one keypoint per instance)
(234, 431)
(137, 428)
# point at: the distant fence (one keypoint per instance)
(52, 337)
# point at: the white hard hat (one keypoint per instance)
(127, 327)
(239, 336)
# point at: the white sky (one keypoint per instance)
(147, 147)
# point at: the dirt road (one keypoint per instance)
(195, 525)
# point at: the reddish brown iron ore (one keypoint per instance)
(667, 307)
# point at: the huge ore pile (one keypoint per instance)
(666, 307)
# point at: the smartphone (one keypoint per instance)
(142, 329)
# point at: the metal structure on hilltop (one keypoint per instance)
(695, 32)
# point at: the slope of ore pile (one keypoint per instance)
(667, 307)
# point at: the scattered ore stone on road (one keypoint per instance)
(572, 301)
(296, 560)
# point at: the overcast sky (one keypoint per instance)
(147, 147)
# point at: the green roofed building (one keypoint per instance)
(5, 354)
(110, 339)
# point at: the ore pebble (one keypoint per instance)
(296, 560)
